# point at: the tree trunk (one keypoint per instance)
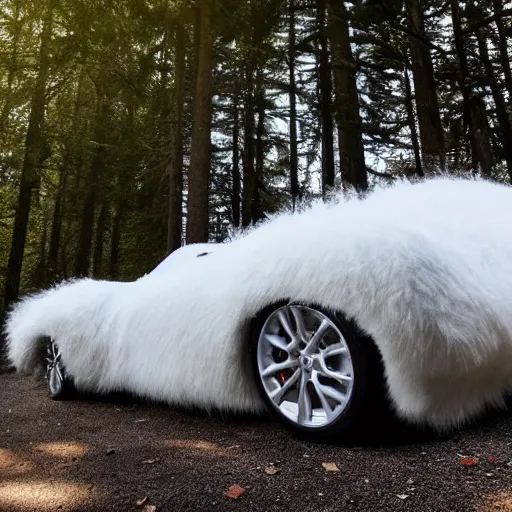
(235, 194)
(99, 242)
(58, 213)
(12, 68)
(53, 251)
(505, 128)
(353, 167)
(83, 255)
(175, 170)
(325, 84)
(200, 159)
(117, 216)
(481, 134)
(41, 274)
(411, 121)
(256, 213)
(249, 171)
(31, 163)
(121, 193)
(429, 119)
(478, 132)
(115, 243)
(503, 45)
(294, 160)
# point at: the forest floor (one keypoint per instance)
(97, 455)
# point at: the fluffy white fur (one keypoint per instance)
(425, 269)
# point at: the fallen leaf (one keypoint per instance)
(142, 501)
(492, 460)
(402, 496)
(235, 491)
(330, 466)
(110, 451)
(271, 470)
(150, 461)
(469, 461)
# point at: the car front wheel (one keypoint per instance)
(316, 371)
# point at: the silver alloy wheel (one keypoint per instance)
(54, 369)
(305, 366)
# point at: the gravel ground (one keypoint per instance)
(92, 454)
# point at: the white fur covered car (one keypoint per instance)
(309, 314)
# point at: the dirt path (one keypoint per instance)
(98, 455)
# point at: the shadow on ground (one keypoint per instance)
(387, 431)
(107, 452)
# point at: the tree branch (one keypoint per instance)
(380, 174)
(486, 21)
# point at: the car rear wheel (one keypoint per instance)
(316, 371)
(60, 385)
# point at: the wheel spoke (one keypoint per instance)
(284, 320)
(277, 367)
(280, 393)
(329, 392)
(57, 368)
(336, 375)
(277, 341)
(298, 316)
(312, 346)
(333, 350)
(304, 403)
(323, 400)
(340, 377)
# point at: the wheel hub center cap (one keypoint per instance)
(306, 362)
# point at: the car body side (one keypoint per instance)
(425, 270)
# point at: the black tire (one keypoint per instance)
(368, 411)
(60, 385)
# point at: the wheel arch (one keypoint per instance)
(258, 318)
